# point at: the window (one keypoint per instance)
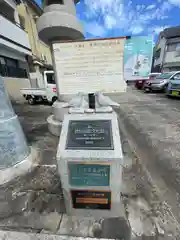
(50, 78)
(177, 50)
(172, 47)
(176, 76)
(49, 2)
(10, 68)
(164, 76)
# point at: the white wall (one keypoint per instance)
(171, 57)
(162, 45)
(14, 33)
(13, 85)
(8, 52)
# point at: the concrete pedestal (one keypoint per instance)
(55, 120)
(90, 160)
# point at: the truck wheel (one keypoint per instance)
(31, 100)
(165, 89)
(53, 100)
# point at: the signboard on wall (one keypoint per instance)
(90, 66)
(138, 52)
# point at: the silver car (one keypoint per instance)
(160, 83)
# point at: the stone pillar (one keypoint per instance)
(58, 23)
(15, 155)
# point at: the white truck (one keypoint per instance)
(46, 93)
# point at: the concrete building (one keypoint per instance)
(14, 48)
(16, 158)
(167, 50)
(59, 22)
(41, 60)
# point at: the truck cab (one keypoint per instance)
(50, 85)
(45, 93)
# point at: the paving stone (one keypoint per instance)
(13, 202)
(31, 236)
(2, 235)
(116, 228)
(46, 202)
(34, 221)
(76, 226)
(138, 216)
(19, 236)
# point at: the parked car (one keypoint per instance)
(173, 89)
(160, 83)
(140, 83)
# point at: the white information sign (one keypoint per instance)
(90, 66)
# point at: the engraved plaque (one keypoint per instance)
(90, 135)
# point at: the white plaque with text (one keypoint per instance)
(90, 66)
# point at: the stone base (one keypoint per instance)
(20, 169)
(59, 111)
(55, 120)
(54, 125)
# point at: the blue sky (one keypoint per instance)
(112, 18)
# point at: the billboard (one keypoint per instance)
(138, 52)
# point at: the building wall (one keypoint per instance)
(27, 18)
(8, 52)
(17, 36)
(161, 45)
(171, 57)
(13, 86)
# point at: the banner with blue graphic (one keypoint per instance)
(138, 53)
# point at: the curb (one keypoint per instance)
(8, 235)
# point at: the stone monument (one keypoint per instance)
(90, 163)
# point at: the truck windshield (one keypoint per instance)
(50, 78)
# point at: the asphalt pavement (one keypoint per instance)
(152, 122)
(148, 214)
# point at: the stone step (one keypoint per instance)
(5, 235)
(63, 225)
